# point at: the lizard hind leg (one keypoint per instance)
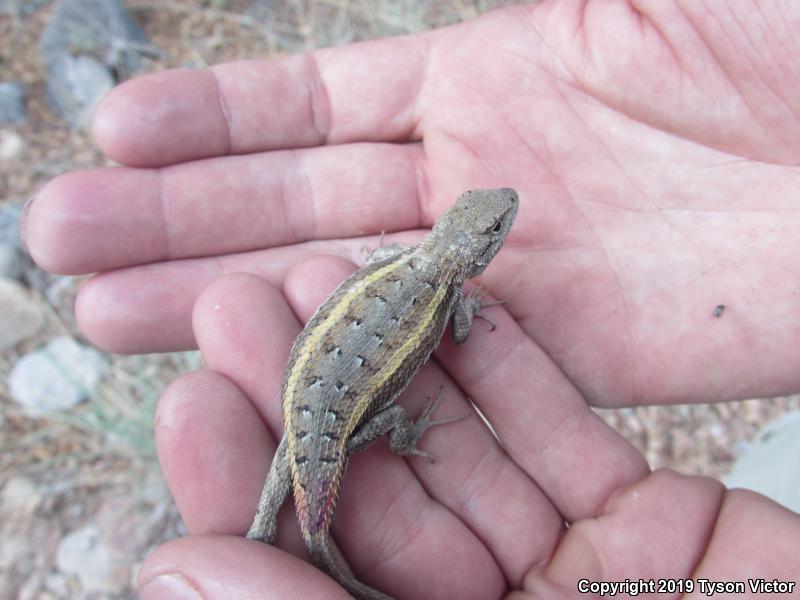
(276, 489)
(404, 434)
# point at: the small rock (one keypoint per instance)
(20, 317)
(82, 83)
(88, 46)
(12, 145)
(12, 102)
(57, 377)
(98, 567)
(19, 498)
(9, 222)
(60, 291)
(21, 8)
(10, 265)
(16, 559)
(57, 585)
(10, 255)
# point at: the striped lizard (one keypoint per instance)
(357, 353)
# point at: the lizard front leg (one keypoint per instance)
(465, 309)
(276, 490)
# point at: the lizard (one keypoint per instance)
(359, 351)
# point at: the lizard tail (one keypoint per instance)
(327, 557)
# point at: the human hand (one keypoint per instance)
(485, 517)
(653, 155)
(654, 166)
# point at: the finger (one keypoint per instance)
(212, 443)
(214, 450)
(245, 331)
(217, 567)
(541, 419)
(771, 532)
(385, 521)
(670, 515)
(359, 92)
(91, 221)
(472, 477)
(148, 308)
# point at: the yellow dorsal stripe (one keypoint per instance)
(305, 353)
(396, 360)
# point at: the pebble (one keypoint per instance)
(20, 316)
(10, 245)
(21, 8)
(111, 46)
(12, 145)
(57, 377)
(12, 102)
(19, 498)
(99, 568)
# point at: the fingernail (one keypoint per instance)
(164, 587)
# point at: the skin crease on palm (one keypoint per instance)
(654, 146)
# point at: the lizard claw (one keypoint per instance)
(487, 319)
(425, 422)
(426, 456)
(430, 408)
(370, 255)
(475, 300)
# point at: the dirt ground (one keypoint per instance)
(90, 478)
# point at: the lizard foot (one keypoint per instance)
(369, 255)
(474, 301)
(408, 446)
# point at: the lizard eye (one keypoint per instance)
(497, 227)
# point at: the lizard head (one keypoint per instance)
(472, 231)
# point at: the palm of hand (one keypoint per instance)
(652, 186)
(657, 183)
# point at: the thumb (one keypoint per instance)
(214, 566)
